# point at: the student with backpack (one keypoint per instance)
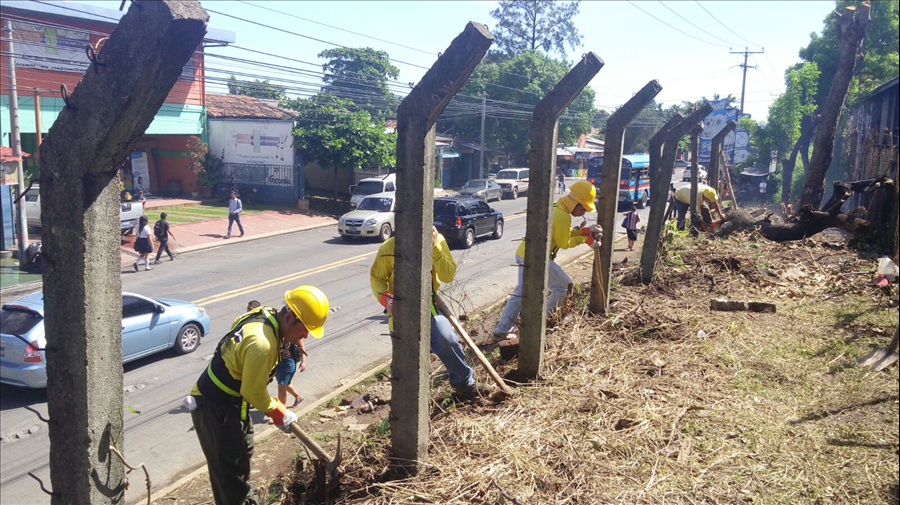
(162, 232)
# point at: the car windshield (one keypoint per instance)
(445, 209)
(369, 188)
(475, 184)
(16, 321)
(507, 174)
(376, 204)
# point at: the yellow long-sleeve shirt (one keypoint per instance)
(250, 360)
(562, 236)
(381, 275)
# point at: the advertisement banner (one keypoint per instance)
(50, 48)
(140, 172)
(252, 142)
(713, 124)
(741, 145)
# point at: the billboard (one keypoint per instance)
(252, 141)
(741, 144)
(713, 124)
(50, 48)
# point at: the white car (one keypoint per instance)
(370, 186)
(513, 182)
(702, 175)
(129, 212)
(373, 217)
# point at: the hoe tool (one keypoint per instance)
(328, 469)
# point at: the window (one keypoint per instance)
(133, 306)
(369, 188)
(473, 208)
(483, 207)
(507, 174)
(376, 204)
(389, 186)
(523, 174)
(18, 321)
(492, 184)
(444, 209)
(475, 184)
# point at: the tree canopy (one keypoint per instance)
(531, 25)
(255, 88)
(523, 79)
(331, 130)
(361, 75)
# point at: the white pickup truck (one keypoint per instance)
(129, 212)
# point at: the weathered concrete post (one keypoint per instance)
(412, 264)
(714, 154)
(542, 164)
(608, 196)
(660, 179)
(695, 175)
(103, 120)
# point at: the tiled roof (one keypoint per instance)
(242, 106)
(6, 155)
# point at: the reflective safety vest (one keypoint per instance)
(216, 384)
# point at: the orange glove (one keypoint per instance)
(387, 301)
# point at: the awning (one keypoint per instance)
(448, 152)
(6, 155)
(563, 152)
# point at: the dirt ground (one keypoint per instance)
(663, 401)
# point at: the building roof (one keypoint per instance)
(242, 107)
(99, 15)
(6, 155)
(884, 86)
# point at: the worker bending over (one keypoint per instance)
(704, 194)
(237, 375)
(443, 339)
(562, 236)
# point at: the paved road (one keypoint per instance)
(223, 280)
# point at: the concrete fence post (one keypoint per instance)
(714, 157)
(695, 173)
(416, 117)
(102, 121)
(660, 179)
(608, 196)
(542, 163)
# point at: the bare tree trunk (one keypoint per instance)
(851, 28)
(807, 128)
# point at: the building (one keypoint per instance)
(49, 42)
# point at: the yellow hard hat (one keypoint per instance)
(310, 305)
(584, 193)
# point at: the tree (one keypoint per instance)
(330, 130)
(523, 79)
(531, 25)
(361, 75)
(257, 89)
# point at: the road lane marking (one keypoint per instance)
(280, 280)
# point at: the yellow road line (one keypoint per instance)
(280, 280)
(515, 216)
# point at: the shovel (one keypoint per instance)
(883, 357)
(328, 469)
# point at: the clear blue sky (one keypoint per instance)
(635, 47)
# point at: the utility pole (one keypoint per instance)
(481, 149)
(746, 53)
(15, 142)
(37, 128)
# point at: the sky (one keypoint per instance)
(635, 47)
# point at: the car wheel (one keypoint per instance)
(188, 339)
(498, 230)
(469, 239)
(386, 232)
(515, 193)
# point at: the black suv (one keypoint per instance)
(462, 219)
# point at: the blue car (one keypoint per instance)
(149, 326)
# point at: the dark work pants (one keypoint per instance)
(164, 245)
(681, 209)
(227, 443)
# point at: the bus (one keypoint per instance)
(634, 179)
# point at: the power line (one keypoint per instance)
(674, 28)
(724, 26)
(688, 21)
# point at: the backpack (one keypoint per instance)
(158, 229)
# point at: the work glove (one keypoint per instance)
(596, 230)
(595, 244)
(289, 418)
(387, 301)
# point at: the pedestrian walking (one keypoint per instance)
(236, 379)
(234, 214)
(579, 201)
(292, 359)
(561, 181)
(630, 224)
(162, 231)
(443, 339)
(143, 243)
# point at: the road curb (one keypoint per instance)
(250, 238)
(259, 437)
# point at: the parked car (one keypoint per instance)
(462, 219)
(149, 326)
(373, 217)
(371, 186)
(486, 189)
(513, 181)
(682, 163)
(129, 212)
(701, 174)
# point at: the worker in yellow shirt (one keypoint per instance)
(444, 342)
(705, 194)
(237, 375)
(562, 236)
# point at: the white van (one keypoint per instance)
(129, 212)
(372, 185)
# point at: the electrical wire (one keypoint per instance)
(673, 27)
(724, 26)
(688, 21)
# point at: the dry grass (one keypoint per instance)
(639, 408)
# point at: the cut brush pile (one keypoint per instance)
(665, 402)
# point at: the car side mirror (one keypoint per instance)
(160, 309)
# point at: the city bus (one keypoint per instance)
(634, 178)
